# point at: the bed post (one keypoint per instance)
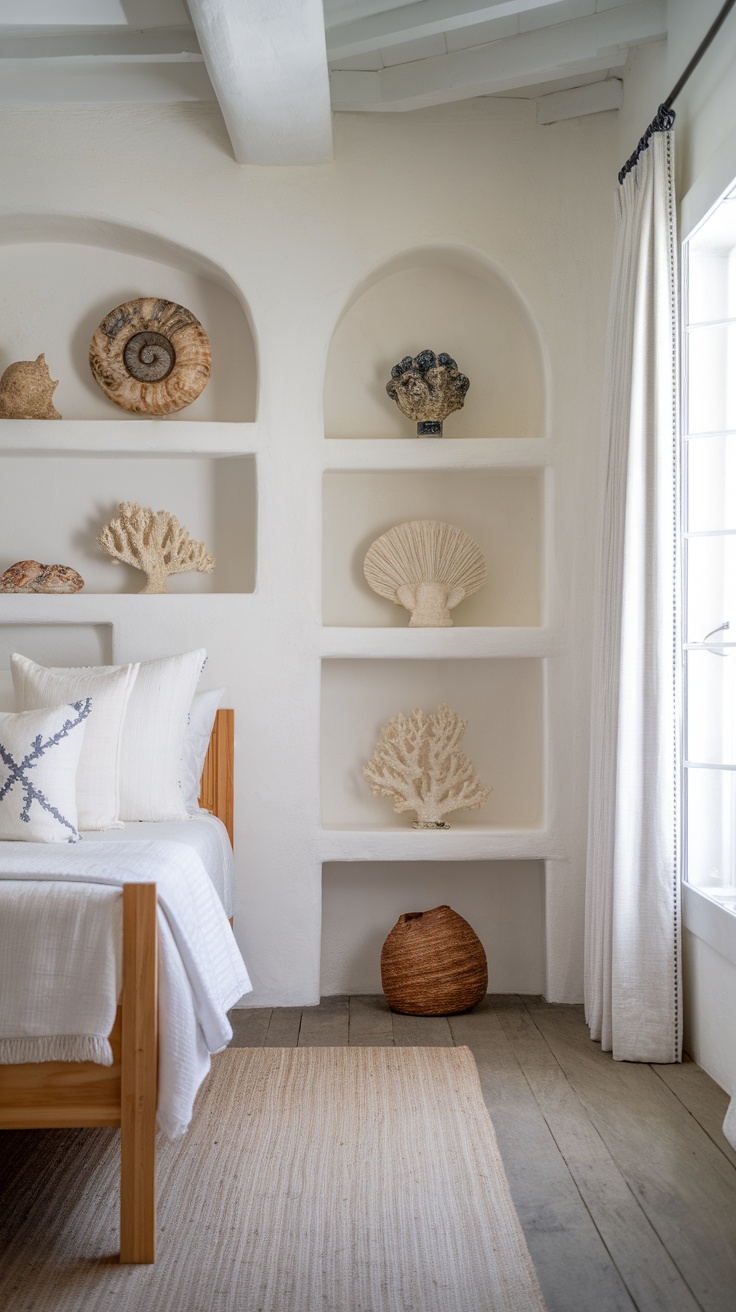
(139, 1074)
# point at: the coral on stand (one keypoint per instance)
(418, 764)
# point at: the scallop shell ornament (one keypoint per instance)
(427, 567)
(151, 356)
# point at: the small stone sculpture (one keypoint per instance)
(151, 356)
(26, 389)
(32, 576)
(427, 389)
(154, 541)
(427, 567)
(417, 762)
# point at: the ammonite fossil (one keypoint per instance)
(151, 356)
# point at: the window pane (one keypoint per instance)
(711, 828)
(711, 499)
(711, 706)
(711, 586)
(712, 379)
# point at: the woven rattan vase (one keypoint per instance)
(433, 964)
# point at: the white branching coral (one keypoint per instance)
(155, 542)
(417, 762)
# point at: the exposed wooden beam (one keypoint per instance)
(413, 21)
(268, 64)
(578, 101)
(582, 45)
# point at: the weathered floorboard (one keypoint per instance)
(645, 1266)
(250, 1026)
(684, 1184)
(574, 1267)
(283, 1028)
(421, 1031)
(371, 1022)
(703, 1099)
(325, 1026)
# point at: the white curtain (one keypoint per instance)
(633, 993)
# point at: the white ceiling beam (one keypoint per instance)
(579, 101)
(412, 21)
(268, 64)
(582, 45)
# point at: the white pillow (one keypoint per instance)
(109, 687)
(39, 756)
(196, 741)
(153, 738)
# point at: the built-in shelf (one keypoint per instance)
(501, 510)
(503, 703)
(69, 498)
(135, 437)
(443, 299)
(504, 901)
(437, 453)
(462, 842)
(466, 642)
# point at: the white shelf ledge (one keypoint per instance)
(463, 843)
(436, 453)
(134, 437)
(445, 644)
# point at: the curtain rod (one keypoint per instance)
(665, 116)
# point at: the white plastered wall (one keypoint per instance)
(480, 177)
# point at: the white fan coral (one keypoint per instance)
(417, 763)
(426, 566)
(155, 542)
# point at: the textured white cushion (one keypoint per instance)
(196, 741)
(153, 738)
(109, 687)
(39, 756)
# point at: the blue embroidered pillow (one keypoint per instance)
(39, 755)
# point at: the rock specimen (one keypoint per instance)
(427, 389)
(433, 964)
(417, 763)
(26, 389)
(154, 541)
(32, 576)
(151, 356)
(427, 567)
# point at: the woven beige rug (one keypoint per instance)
(312, 1180)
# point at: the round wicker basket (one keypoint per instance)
(433, 964)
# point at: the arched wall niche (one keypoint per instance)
(450, 299)
(62, 273)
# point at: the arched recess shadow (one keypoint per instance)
(61, 273)
(450, 299)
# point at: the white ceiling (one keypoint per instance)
(278, 68)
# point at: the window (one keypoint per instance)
(709, 555)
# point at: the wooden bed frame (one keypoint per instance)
(44, 1095)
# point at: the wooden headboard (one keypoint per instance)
(216, 787)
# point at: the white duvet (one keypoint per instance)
(51, 1009)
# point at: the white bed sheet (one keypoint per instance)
(201, 971)
(203, 832)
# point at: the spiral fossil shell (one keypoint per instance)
(427, 567)
(151, 356)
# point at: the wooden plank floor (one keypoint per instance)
(624, 1183)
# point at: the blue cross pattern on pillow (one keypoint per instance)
(19, 772)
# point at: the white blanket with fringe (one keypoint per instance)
(60, 954)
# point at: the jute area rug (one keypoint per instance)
(311, 1180)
